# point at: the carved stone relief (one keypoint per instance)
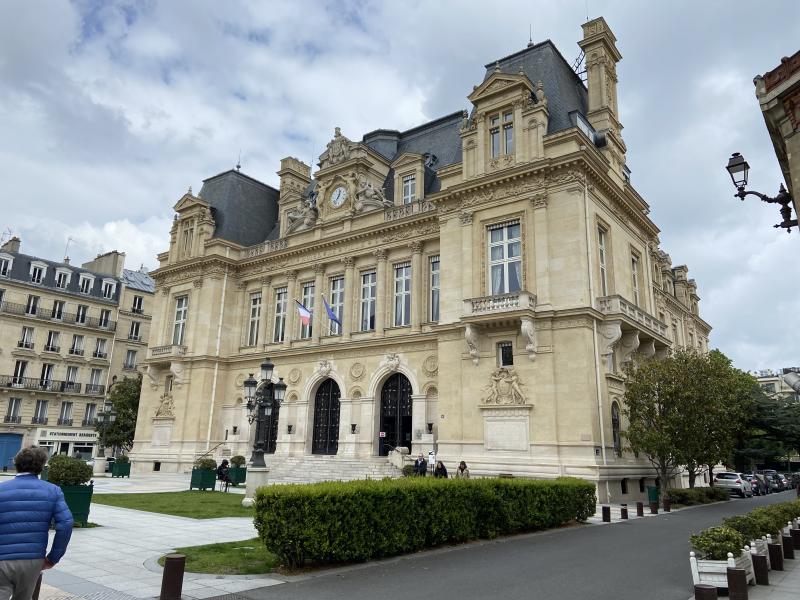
(166, 407)
(324, 368)
(471, 337)
(610, 334)
(528, 332)
(294, 376)
(504, 388)
(392, 361)
(430, 366)
(357, 371)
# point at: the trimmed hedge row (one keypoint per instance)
(362, 520)
(694, 496)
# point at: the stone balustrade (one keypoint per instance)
(500, 303)
(616, 305)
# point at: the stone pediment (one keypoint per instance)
(188, 201)
(500, 83)
(407, 158)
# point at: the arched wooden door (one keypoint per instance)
(326, 419)
(395, 424)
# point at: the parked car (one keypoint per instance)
(736, 483)
(758, 487)
(785, 481)
(776, 483)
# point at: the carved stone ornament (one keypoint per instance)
(541, 99)
(338, 150)
(471, 337)
(304, 217)
(369, 197)
(177, 369)
(628, 345)
(504, 388)
(465, 218)
(324, 368)
(357, 371)
(152, 376)
(528, 332)
(610, 334)
(239, 381)
(294, 376)
(392, 361)
(648, 348)
(166, 407)
(539, 200)
(430, 366)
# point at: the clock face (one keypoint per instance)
(339, 196)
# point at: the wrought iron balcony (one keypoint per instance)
(13, 308)
(39, 421)
(12, 419)
(500, 303)
(138, 311)
(617, 305)
(134, 337)
(169, 351)
(67, 422)
(406, 210)
(98, 354)
(24, 344)
(89, 422)
(76, 351)
(38, 384)
(95, 389)
(51, 348)
(127, 367)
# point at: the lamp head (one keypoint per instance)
(280, 390)
(738, 170)
(266, 370)
(250, 385)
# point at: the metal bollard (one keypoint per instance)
(667, 505)
(737, 584)
(775, 556)
(606, 514)
(795, 533)
(654, 508)
(705, 591)
(760, 569)
(172, 581)
(623, 513)
(37, 589)
(640, 509)
(788, 546)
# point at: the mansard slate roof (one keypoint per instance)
(138, 280)
(21, 272)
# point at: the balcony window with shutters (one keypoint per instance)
(53, 341)
(77, 345)
(369, 290)
(402, 294)
(434, 287)
(37, 273)
(32, 307)
(409, 189)
(307, 300)
(134, 332)
(58, 310)
(14, 411)
(85, 284)
(62, 278)
(80, 314)
(5, 266)
(138, 304)
(602, 253)
(26, 339)
(179, 324)
(505, 259)
(109, 287)
(279, 329)
(337, 304)
(20, 370)
(635, 278)
(65, 414)
(130, 361)
(505, 354)
(40, 413)
(255, 319)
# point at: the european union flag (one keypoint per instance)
(331, 315)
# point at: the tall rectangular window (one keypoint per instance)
(108, 289)
(130, 360)
(37, 274)
(369, 292)
(77, 345)
(80, 314)
(94, 386)
(33, 305)
(138, 303)
(72, 375)
(505, 354)
(602, 257)
(26, 339)
(13, 414)
(133, 334)
(434, 286)
(65, 415)
(53, 341)
(47, 374)
(20, 370)
(409, 189)
(635, 278)
(402, 294)
(58, 310)
(308, 302)
(494, 135)
(105, 316)
(279, 329)
(188, 234)
(505, 260)
(40, 414)
(62, 279)
(5, 267)
(85, 284)
(508, 132)
(337, 303)
(255, 319)
(90, 414)
(179, 327)
(100, 348)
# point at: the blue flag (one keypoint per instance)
(331, 315)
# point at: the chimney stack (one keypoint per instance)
(11, 245)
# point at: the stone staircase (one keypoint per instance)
(315, 467)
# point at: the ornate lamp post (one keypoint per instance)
(739, 169)
(261, 397)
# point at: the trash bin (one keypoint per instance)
(653, 493)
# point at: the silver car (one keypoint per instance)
(735, 482)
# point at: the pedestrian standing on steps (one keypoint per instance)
(27, 506)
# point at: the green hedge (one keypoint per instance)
(65, 470)
(362, 520)
(703, 495)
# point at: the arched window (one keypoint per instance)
(615, 429)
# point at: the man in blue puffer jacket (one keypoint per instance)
(27, 506)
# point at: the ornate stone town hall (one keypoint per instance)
(492, 270)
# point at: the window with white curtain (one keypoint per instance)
(280, 314)
(505, 258)
(402, 294)
(255, 318)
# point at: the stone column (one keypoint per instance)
(466, 257)
(381, 300)
(347, 440)
(243, 318)
(291, 310)
(266, 306)
(319, 316)
(417, 286)
(541, 249)
(351, 300)
(367, 436)
(420, 440)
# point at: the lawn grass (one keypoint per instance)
(248, 557)
(193, 504)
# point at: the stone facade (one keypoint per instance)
(493, 272)
(64, 339)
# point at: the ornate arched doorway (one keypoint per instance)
(395, 423)
(326, 419)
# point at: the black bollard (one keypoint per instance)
(172, 581)
(640, 509)
(760, 569)
(795, 533)
(775, 556)
(667, 505)
(623, 513)
(737, 584)
(654, 508)
(606, 514)
(705, 591)
(788, 546)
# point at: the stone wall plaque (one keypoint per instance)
(506, 429)
(162, 433)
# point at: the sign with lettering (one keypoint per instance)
(382, 434)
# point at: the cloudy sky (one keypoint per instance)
(110, 110)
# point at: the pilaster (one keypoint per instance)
(381, 301)
(541, 245)
(351, 300)
(317, 318)
(416, 286)
(291, 309)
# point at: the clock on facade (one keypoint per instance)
(338, 197)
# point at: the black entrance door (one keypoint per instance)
(326, 419)
(395, 414)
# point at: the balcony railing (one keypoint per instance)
(51, 348)
(12, 419)
(500, 303)
(134, 337)
(615, 305)
(43, 385)
(127, 367)
(76, 351)
(98, 354)
(13, 308)
(138, 311)
(264, 248)
(167, 351)
(88, 422)
(95, 389)
(62, 421)
(24, 344)
(406, 210)
(39, 421)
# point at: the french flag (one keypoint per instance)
(305, 314)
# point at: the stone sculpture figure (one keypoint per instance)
(338, 148)
(504, 388)
(369, 196)
(167, 406)
(301, 218)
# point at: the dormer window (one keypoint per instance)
(5, 265)
(188, 237)
(409, 189)
(85, 284)
(109, 287)
(63, 277)
(501, 133)
(38, 271)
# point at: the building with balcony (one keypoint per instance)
(475, 287)
(63, 341)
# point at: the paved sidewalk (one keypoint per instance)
(149, 483)
(118, 560)
(783, 585)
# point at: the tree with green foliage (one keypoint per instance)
(772, 432)
(124, 397)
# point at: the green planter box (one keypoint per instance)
(79, 499)
(237, 475)
(203, 479)
(121, 470)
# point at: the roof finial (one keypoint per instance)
(190, 191)
(497, 66)
(530, 35)
(239, 161)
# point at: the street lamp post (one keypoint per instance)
(738, 169)
(104, 420)
(261, 397)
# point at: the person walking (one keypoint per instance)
(420, 466)
(440, 472)
(27, 506)
(462, 472)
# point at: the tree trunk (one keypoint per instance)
(711, 475)
(692, 477)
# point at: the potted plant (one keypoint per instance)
(121, 467)
(237, 472)
(718, 549)
(204, 475)
(73, 476)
